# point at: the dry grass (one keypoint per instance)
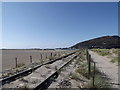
(113, 54)
(102, 52)
(74, 76)
(99, 82)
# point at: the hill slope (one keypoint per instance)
(101, 42)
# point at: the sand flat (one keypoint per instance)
(8, 56)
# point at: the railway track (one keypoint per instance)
(45, 84)
(30, 70)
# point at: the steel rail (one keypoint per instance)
(43, 85)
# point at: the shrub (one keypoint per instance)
(25, 87)
(74, 76)
(20, 64)
(115, 51)
(115, 59)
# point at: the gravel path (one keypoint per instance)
(105, 66)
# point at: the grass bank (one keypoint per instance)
(113, 54)
(82, 69)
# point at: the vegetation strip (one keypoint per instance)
(113, 54)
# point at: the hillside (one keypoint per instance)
(100, 42)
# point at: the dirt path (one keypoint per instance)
(105, 66)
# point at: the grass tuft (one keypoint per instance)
(100, 82)
(20, 64)
(102, 52)
(74, 76)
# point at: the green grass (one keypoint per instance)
(102, 52)
(99, 82)
(82, 62)
(74, 76)
(83, 69)
(83, 54)
(115, 51)
(24, 87)
(20, 64)
(115, 59)
(113, 54)
(81, 58)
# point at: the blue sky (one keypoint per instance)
(0, 25)
(52, 25)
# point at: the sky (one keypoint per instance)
(0, 25)
(56, 24)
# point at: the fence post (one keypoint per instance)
(51, 54)
(16, 61)
(89, 65)
(88, 56)
(41, 56)
(30, 59)
(94, 76)
(46, 55)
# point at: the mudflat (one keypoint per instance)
(23, 56)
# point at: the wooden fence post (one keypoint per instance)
(46, 55)
(89, 66)
(51, 54)
(94, 76)
(30, 59)
(88, 56)
(16, 61)
(41, 56)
